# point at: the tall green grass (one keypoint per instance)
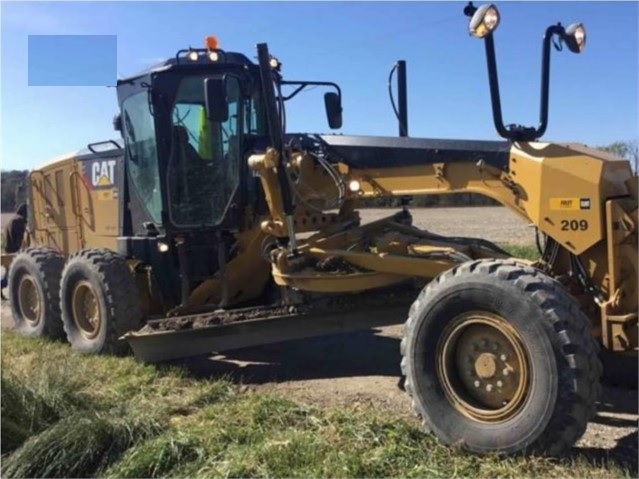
(78, 445)
(528, 252)
(81, 416)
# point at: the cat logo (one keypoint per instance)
(570, 204)
(103, 173)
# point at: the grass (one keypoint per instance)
(80, 416)
(528, 252)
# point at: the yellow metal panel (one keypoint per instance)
(51, 197)
(389, 263)
(331, 283)
(563, 188)
(565, 204)
(97, 201)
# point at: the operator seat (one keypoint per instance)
(195, 178)
(185, 161)
(185, 152)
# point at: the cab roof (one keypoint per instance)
(180, 61)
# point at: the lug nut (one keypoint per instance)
(477, 384)
(505, 372)
(489, 387)
(499, 384)
(503, 357)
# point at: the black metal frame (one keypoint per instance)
(91, 146)
(274, 126)
(304, 84)
(402, 102)
(364, 152)
(401, 110)
(179, 55)
(518, 132)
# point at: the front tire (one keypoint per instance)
(100, 302)
(498, 357)
(34, 286)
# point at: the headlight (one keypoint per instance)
(484, 21)
(354, 186)
(274, 63)
(213, 56)
(193, 55)
(575, 37)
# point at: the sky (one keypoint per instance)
(52, 60)
(593, 96)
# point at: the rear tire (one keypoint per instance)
(498, 357)
(34, 286)
(100, 302)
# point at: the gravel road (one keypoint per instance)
(362, 369)
(497, 224)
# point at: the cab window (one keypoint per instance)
(204, 159)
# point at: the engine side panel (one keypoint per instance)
(53, 222)
(74, 202)
(563, 189)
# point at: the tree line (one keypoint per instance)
(12, 194)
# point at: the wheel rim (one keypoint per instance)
(86, 310)
(483, 367)
(29, 300)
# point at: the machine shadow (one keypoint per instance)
(623, 454)
(367, 353)
(361, 353)
(619, 401)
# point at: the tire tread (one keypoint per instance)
(120, 295)
(579, 389)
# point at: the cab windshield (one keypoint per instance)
(204, 160)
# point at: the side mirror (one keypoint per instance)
(117, 123)
(333, 104)
(216, 102)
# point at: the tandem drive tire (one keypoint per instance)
(34, 286)
(499, 358)
(99, 301)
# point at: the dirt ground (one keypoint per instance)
(362, 369)
(496, 224)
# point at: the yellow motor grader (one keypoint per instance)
(208, 227)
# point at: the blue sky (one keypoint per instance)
(593, 96)
(53, 60)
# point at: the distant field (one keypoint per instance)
(494, 223)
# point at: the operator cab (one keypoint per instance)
(184, 167)
(188, 125)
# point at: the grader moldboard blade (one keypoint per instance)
(225, 330)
